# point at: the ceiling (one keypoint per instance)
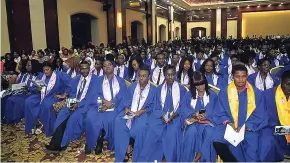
(187, 5)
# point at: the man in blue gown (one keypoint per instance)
(163, 135)
(140, 101)
(248, 109)
(69, 124)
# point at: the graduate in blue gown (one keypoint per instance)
(164, 133)
(139, 100)
(285, 68)
(15, 104)
(273, 147)
(185, 71)
(283, 56)
(120, 69)
(209, 70)
(262, 79)
(58, 63)
(197, 109)
(69, 124)
(134, 64)
(98, 70)
(21, 78)
(40, 105)
(99, 124)
(157, 75)
(250, 111)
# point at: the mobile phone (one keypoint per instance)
(202, 111)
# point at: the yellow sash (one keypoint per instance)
(234, 101)
(283, 109)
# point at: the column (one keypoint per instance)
(119, 18)
(111, 20)
(224, 23)
(170, 22)
(153, 16)
(213, 23)
(184, 27)
(218, 22)
(5, 44)
(149, 23)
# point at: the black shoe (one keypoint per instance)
(87, 150)
(51, 150)
(99, 147)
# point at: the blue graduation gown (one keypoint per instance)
(252, 79)
(126, 73)
(4, 99)
(163, 139)
(138, 128)
(197, 137)
(247, 150)
(96, 121)
(272, 147)
(15, 104)
(219, 80)
(44, 110)
(75, 123)
(280, 73)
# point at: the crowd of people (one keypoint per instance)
(169, 102)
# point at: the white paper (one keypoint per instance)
(234, 137)
(282, 130)
(2, 93)
(108, 110)
(129, 116)
(17, 86)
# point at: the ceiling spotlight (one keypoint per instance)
(269, 5)
(209, 8)
(281, 4)
(167, 1)
(238, 6)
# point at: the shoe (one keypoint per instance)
(99, 147)
(51, 150)
(87, 150)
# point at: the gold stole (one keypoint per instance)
(283, 109)
(234, 101)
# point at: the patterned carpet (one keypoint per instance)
(16, 146)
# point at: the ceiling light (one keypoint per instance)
(209, 8)
(281, 4)
(218, 7)
(238, 6)
(228, 7)
(199, 9)
(269, 5)
(167, 1)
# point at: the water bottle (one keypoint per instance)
(100, 101)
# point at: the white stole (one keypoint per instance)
(259, 82)
(85, 90)
(205, 99)
(230, 78)
(46, 89)
(107, 90)
(73, 73)
(33, 79)
(153, 63)
(122, 70)
(184, 78)
(250, 70)
(215, 79)
(136, 97)
(95, 71)
(175, 95)
(155, 75)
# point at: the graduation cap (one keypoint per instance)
(214, 88)
(275, 70)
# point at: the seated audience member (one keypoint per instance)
(69, 124)
(239, 104)
(157, 75)
(262, 79)
(15, 104)
(185, 71)
(39, 105)
(209, 70)
(163, 136)
(273, 147)
(129, 134)
(197, 109)
(134, 65)
(121, 70)
(98, 71)
(99, 124)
